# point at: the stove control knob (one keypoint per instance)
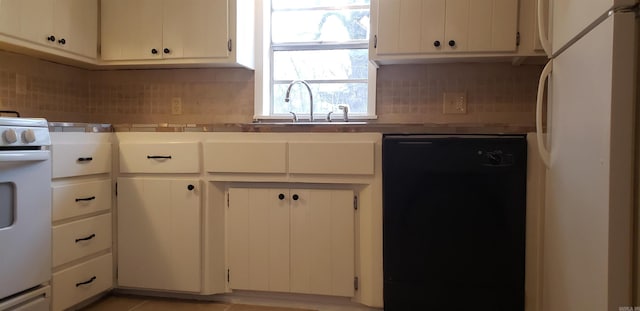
(10, 136)
(29, 136)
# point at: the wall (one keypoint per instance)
(497, 93)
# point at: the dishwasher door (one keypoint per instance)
(454, 222)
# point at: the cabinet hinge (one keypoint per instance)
(355, 283)
(228, 275)
(229, 45)
(518, 38)
(375, 41)
(355, 202)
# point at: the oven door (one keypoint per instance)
(25, 220)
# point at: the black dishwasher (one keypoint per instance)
(454, 222)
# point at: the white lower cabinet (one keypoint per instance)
(291, 240)
(81, 238)
(81, 217)
(159, 233)
(82, 281)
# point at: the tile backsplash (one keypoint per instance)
(497, 93)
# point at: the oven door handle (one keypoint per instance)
(24, 156)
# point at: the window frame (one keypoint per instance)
(264, 81)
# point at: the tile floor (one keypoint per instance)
(135, 303)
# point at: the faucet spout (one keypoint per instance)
(286, 98)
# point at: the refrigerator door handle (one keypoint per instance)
(542, 33)
(544, 153)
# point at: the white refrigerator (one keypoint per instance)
(590, 151)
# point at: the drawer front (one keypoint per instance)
(80, 159)
(160, 157)
(336, 158)
(246, 157)
(72, 200)
(81, 238)
(73, 285)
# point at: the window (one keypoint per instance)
(323, 42)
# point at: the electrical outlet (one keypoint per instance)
(454, 103)
(176, 105)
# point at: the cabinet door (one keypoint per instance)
(76, 22)
(27, 19)
(195, 28)
(258, 239)
(322, 242)
(159, 233)
(131, 29)
(456, 25)
(410, 26)
(493, 25)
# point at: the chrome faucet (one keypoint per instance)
(286, 98)
(345, 112)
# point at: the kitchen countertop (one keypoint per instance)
(283, 127)
(396, 128)
(80, 127)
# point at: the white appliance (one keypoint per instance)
(25, 214)
(587, 254)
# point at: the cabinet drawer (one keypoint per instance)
(80, 159)
(176, 157)
(73, 285)
(331, 158)
(246, 157)
(81, 238)
(72, 200)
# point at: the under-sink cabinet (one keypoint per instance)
(81, 215)
(291, 240)
(294, 154)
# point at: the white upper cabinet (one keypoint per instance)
(75, 25)
(445, 26)
(27, 19)
(147, 32)
(131, 29)
(67, 26)
(197, 30)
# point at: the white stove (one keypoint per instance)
(24, 133)
(25, 214)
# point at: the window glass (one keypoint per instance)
(325, 43)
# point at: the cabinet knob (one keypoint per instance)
(51, 38)
(154, 51)
(281, 196)
(452, 43)
(166, 51)
(62, 41)
(436, 43)
(191, 187)
(295, 197)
